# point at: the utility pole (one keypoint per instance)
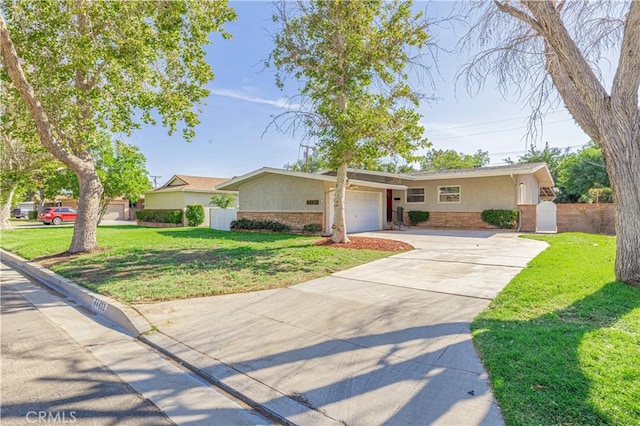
(307, 155)
(155, 180)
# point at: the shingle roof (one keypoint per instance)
(193, 183)
(480, 171)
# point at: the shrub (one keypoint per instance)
(33, 214)
(601, 195)
(416, 217)
(268, 225)
(501, 218)
(194, 214)
(160, 216)
(224, 201)
(312, 227)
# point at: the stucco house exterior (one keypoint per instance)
(453, 198)
(181, 191)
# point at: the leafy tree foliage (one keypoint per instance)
(87, 67)
(440, 159)
(122, 171)
(581, 172)
(350, 59)
(22, 158)
(554, 157)
(224, 201)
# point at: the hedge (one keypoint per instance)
(267, 225)
(501, 218)
(160, 216)
(416, 217)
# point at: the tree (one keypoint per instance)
(120, 167)
(554, 157)
(22, 158)
(84, 67)
(439, 159)
(223, 201)
(313, 164)
(581, 172)
(351, 59)
(545, 45)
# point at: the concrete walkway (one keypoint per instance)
(386, 342)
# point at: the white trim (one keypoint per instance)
(312, 176)
(450, 202)
(424, 195)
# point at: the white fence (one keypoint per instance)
(220, 219)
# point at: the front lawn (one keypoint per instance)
(562, 341)
(147, 264)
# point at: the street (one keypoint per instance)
(62, 365)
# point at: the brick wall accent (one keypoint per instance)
(296, 220)
(527, 217)
(592, 218)
(463, 220)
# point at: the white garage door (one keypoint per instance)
(363, 211)
(114, 212)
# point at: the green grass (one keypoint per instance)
(146, 264)
(562, 341)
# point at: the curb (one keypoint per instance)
(123, 316)
(282, 409)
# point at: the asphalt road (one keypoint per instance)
(47, 377)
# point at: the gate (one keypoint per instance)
(220, 219)
(546, 218)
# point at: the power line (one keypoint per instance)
(496, 131)
(486, 123)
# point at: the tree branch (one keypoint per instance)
(14, 70)
(627, 78)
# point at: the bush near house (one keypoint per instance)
(312, 227)
(194, 214)
(160, 216)
(416, 217)
(505, 219)
(266, 225)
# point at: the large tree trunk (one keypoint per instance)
(612, 121)
(339, 234)
(84, 232)
(625, 182)
(5, 208)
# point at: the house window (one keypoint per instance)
(415, 195)
(449, 194)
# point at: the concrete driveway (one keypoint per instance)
(386, 342)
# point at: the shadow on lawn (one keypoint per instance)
(206, 233)
(146, 265)
(529, 368)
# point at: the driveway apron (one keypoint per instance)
(383, 343)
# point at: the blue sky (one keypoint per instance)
(231, 139)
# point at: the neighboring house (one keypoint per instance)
(181, 191)
(453, 198)
(118, 209)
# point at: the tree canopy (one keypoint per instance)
(440, 159)
(86, 67)
(351, 61)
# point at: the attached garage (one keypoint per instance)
(363, 211)
(114, 212)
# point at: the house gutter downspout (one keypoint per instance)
(515, 182)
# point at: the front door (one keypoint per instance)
(389, 205)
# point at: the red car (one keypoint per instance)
(57, 215)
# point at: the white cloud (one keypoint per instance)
(243, 96)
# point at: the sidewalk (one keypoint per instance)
(386, 342)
